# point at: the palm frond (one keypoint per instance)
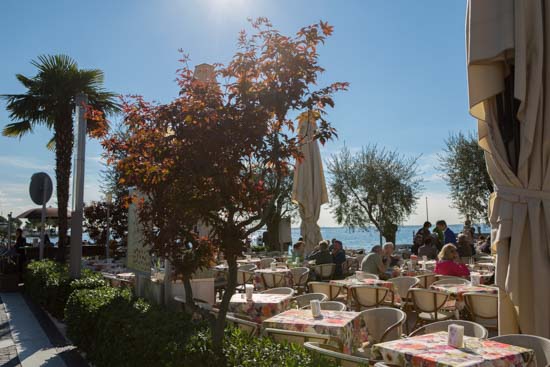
(51, 144)
(17, 129)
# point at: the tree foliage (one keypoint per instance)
(373, 187)
(207, 155)
(49, 100)
(463, 162)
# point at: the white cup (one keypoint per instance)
(475, 278)
(273, 266)
(315, 308)
(249, 289)
(248, 257)
(424, 258)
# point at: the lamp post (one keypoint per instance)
(9, 230)
(109, 201)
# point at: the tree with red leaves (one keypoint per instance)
(207, 155)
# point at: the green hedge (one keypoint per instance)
(116, 330)
(48, 284)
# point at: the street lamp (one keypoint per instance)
(379, 202)
(108, 200)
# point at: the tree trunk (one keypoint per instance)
(189, 303)
(219, 325)
(64, 141)
(389, 232)
(273, 243)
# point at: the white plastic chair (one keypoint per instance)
(540, 345)
(402, 286)
(324, 271)
(470, 328)
(425, 280)
(368, 296)
(429, 305)
(280, 290)
(365, 275)
(330, 306)
(273, 280)
(483, 308)
(300, 277)
(251, 328)
(451, 280)
(330, 290)
(247, 267)
(384, 324)
(295, 337)
(266, 262)
(244, 277)
(333, 354)
(305, 299)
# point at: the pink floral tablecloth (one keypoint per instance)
(287, 280)
(352, 281)
(347, 328)
(431, 350)
(262, 306)
(456, 291)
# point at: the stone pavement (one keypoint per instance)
(8, 351)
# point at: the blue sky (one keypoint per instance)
(405, 61)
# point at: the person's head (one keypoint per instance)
(301, 239)
(481, 238)
(441, 224)
(377, 249)
(333, 240)
(337, 245)
(297, 246)
(18, 232)
(462, 239)
(323, 245)
(427, 225)
(388, 248)
(428, 241)
(448, 252)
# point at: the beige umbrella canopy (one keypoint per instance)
(36, 213)
(309, 189)
(507, 47)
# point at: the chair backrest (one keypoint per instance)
(349, 266)
(425, 280)
(324, 271)
(272, 280)
(365, 275)
(305, 299)
(300, 276)
(540, 345)
(484, 306)
(470, 328)
(368, 295)
(330, 306)
(244, 276)
(426, 300)
(295, 337)
(403, 284)
(384, 324)
(247, 267)
(266, 262)
(450, 280)
(331, 353)
(251, 328)
(280, 290)
(330, 290)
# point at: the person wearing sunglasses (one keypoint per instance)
(449, 263)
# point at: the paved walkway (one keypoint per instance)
(28, 336)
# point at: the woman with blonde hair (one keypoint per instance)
(449, 264)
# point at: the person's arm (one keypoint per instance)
(462, 270)
(381, 265)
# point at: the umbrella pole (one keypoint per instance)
(43, 218)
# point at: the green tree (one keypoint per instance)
(373, 187)
(49, 101)
(463, 162)
(279, 208)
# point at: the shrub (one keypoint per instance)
(48, 284)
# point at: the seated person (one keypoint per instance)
(484, 246)
(338, 257)
(298, 252)
(388, 257)
(463, 246)
(428, 249)
(449, 263)
(373, 264)
(321, 254)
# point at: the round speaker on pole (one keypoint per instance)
(41, 188)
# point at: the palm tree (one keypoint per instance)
(50, 101)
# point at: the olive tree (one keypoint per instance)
(373, 187)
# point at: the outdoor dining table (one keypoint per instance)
(392, 296)
(433, 350)
(252, 261)
(261, 307)
(456, 291)
(287, 274)
(347, 329)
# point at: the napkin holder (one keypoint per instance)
(475, 278)
(315, 308)
(249, 289)
(455, 336)
(273, 266)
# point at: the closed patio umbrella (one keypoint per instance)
(309, 189)
(508, 48)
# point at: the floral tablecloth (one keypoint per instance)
(456, 291)
(252, 261)
(349, 329)
(431, 350)
(286, 282)
(261, 307)
(352, 281)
